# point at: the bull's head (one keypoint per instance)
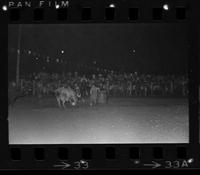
(73, 101)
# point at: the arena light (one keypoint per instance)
(4, 8)
(112, 5)
(166, 7)
(62, 51)
(57, 6)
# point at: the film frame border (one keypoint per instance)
(120, 152)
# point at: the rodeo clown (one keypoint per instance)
(94, 93)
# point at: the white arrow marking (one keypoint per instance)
(154, 165)
(63, 165)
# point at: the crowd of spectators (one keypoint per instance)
(116, 84)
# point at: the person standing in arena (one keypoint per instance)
(84, 87)
(94, 92)
(107, 89)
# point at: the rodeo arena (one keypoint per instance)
(111, 107)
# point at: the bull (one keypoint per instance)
(64, 95)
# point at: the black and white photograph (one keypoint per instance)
(98, 83)
(199, 81)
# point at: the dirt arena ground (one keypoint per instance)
(122, 120)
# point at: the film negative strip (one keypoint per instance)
(99, 85)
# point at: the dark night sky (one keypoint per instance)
(158, 47)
